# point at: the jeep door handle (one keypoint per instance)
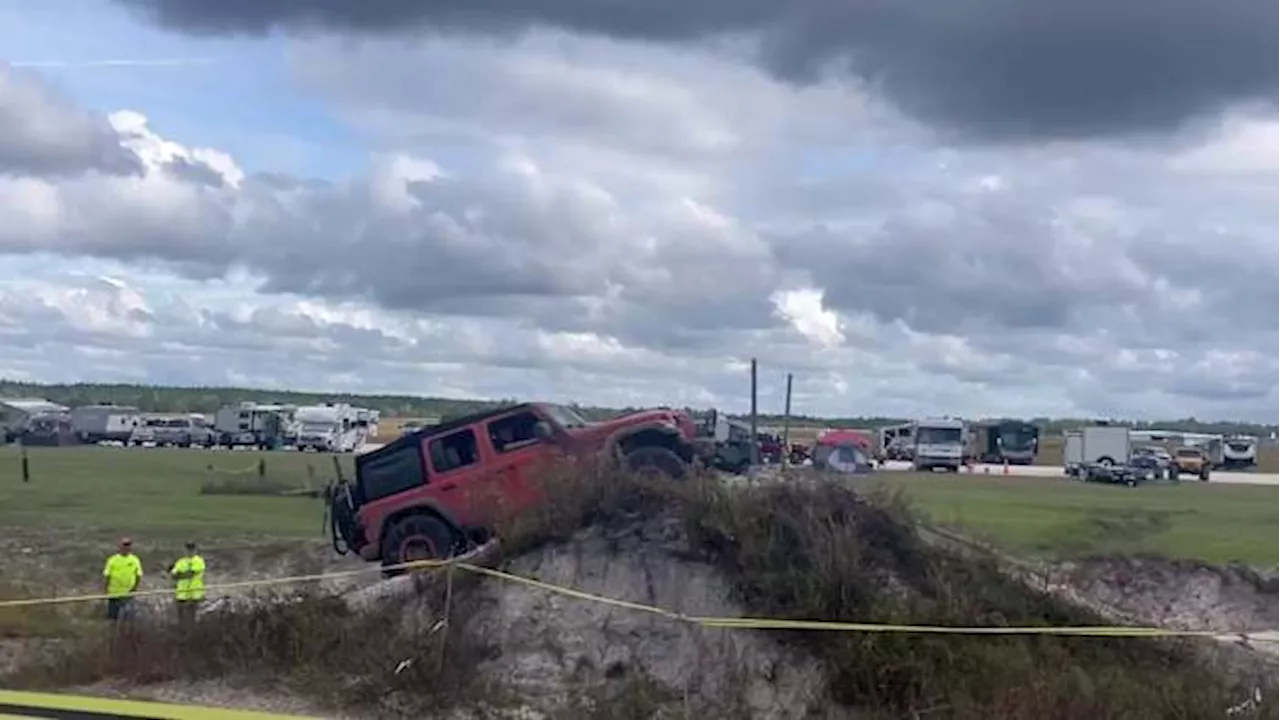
(447, 487)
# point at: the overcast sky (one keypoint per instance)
(977, 207)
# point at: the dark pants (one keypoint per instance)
(119, 608)
(187, 610)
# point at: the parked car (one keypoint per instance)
(1157, 459)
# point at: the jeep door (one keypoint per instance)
(458, 473)
(518, 459)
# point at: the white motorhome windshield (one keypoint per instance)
(938, 436)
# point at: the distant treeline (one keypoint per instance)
(154, 398)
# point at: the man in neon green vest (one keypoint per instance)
(188, 574)
(120, 577)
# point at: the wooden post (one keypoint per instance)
(448, 608)
(262, 468)
(26, 462)
(337, 467)
(755, 419)
(786, 425)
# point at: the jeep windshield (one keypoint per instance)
(938, 436)
(565, 417)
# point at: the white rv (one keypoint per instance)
(367, 421)
(939, 443)
(1240, 451)
(330, 427)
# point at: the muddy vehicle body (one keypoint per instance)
(439, 491)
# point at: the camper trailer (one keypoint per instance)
(249, 424)
(894, 442)
(105, 423)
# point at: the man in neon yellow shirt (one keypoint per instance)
(120, 577)
(188, 572)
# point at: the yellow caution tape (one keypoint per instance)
(738, 623)
(77, 707)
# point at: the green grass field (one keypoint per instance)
(92, 495)
(101, 492)
(1061, 518)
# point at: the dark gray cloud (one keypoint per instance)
(984, 69)
(42, 134)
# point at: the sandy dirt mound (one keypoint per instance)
(1176, 594)
(555, 656)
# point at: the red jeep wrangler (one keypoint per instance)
(432, 493)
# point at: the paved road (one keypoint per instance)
(1050, 471)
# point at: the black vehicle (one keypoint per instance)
(1140, 469)
(1156, 459)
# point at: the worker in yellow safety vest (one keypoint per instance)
(188, 574)
(120, 577)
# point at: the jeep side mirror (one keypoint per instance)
(542, 430)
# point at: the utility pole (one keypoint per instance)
(786, 424)
(755, 419)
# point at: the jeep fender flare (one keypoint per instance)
(654, 434)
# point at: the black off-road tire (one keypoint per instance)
(418, 537)
(659, 460)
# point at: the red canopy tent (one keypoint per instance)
(847, 451)
(836, 438)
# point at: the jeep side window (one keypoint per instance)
(453, 451)
(513, 432)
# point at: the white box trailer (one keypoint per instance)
(1096, 445)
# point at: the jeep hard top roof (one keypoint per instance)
(415, 437)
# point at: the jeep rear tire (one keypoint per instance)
(654, 460)
(418, 537)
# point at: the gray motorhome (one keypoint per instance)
(105, 423)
